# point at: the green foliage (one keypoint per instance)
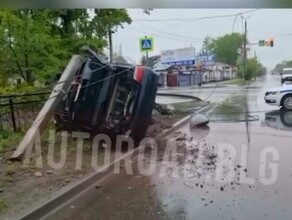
(28, 44)
(224, 47)
(147, 11)
(37, 44)
(280, 66)
(254, 69)
(288, 64)
(2, 205)
(19, 89)
(7, 139)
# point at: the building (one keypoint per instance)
(219, 72)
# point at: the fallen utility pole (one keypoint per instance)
(49, 108)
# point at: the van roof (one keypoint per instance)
(287, 69)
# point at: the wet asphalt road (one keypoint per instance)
(254, 183)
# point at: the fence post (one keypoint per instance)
(12, 113)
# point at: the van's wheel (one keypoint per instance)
(287, 102)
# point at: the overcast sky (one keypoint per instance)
(189, 29)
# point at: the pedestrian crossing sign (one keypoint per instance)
(146, 44)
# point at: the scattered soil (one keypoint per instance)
(23, 186)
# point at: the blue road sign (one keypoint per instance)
(206, 59)
(179, 63)
(146, 44)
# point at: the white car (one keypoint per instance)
(280, 96)
(286, 75)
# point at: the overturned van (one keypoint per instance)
(109, 98)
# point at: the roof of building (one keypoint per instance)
(162, 67)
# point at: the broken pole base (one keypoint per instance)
(50, 106)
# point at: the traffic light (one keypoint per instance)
(261, 43)
(271, 42)
(267, 43)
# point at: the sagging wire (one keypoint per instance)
(209, 96)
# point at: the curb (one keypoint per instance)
(183, 121)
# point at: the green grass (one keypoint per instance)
(8, 139)
(2, 205)
(232, 108)
(185, 107)
(229, 108)
(239, 82)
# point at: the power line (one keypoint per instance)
(197, 19)
(234, 22)
(172, 34)
(166, 37)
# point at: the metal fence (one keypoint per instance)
(17, 112)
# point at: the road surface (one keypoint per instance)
(243, 173)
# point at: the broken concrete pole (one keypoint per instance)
(198, 120)
(49, 108)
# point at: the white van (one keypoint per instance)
(286, 75)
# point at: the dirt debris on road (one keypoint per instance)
(24, 186)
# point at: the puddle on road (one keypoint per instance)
(279, 120)
(189, 188)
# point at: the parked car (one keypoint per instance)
(286, 75)
(109, 98)
(280, 96)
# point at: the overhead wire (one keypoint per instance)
(172, 34)
(198, 18)
(234, 22)
(165, 37)
(177, 36)
(233, 26)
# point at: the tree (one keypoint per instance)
(147, 11)
(280, 66)
(225, 47)
(77, 27)
(28, 47)
(207, 44)
(39, 43)
(253, 70)
(288, 64)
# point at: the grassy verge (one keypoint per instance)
(8, 139)
(185, 107)
(238, 82)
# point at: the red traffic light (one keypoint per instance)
(271, 42)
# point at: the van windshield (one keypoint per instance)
(285, 72)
